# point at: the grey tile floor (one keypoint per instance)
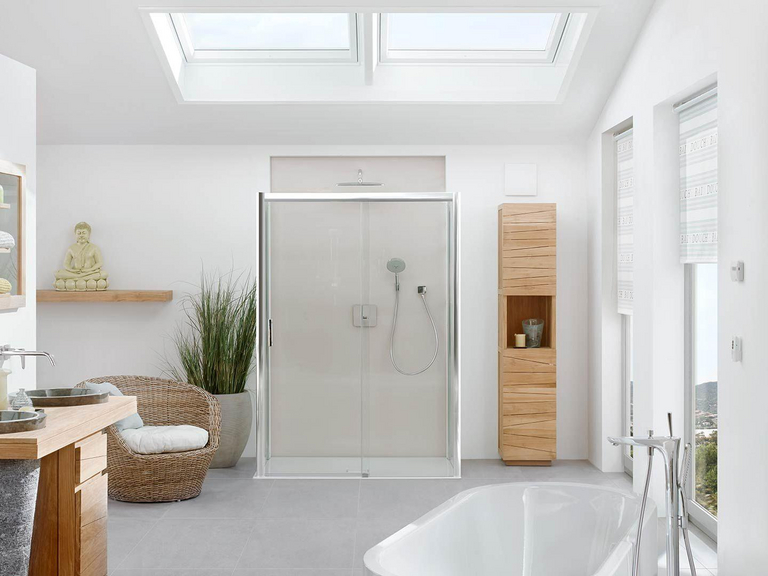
(244, 527)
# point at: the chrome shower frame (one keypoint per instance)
(453, 452)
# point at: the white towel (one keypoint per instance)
(6, 240)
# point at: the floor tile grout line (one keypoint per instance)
(137, 543)
(247, 540)
(357, 523)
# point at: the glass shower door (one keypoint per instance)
(342, 396)
(315, 361)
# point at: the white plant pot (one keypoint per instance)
(236, 421)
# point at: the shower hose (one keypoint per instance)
(423, 294)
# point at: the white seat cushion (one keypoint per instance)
(164, 439)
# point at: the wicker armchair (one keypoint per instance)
(161, 477)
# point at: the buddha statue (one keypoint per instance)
(82, 264)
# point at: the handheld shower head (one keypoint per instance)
(396, 265)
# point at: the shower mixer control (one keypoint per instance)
(364, 315)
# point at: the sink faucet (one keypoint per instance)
(6, 352)
(669, 448)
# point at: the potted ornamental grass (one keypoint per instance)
(215, 345)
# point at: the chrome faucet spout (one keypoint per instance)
(6, 352)
(669, 448)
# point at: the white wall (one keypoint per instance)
(674, 56)
(159, 212)
(743, 139)
(17, 144)
(685, 46)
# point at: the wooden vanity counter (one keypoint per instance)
(70, 532)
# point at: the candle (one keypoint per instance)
(519, 340)
(4, 388)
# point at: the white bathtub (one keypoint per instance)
(522, 529)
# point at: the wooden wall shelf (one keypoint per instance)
(106, 296)
(5, 206)
(527, 376)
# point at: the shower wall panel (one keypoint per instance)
(333, 389)
(315, 266)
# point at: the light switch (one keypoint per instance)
(736, 349)
(737, 271)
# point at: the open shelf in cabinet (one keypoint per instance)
(515, 309)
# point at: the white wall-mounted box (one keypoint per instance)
(520, 180)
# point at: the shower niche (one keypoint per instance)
(527, 376)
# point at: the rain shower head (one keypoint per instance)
(396, 265)
(360, 181)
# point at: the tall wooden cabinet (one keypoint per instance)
(527, 376)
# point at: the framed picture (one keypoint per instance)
(12, 181)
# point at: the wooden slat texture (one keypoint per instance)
(528, 360)
(69, 524)
(539, 429)
(44, 559)
(92, 446)
(528, 408)
(65, 426)
(89, 467)
(105, 296)
(91, 456)
(528, 213)
(98, 567)
(529, 262)
(530, 395)
(527, 376)
(92, 500)
(523, 453)
(93, 546)
(519, 232)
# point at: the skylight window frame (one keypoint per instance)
(258, 56)
(546, 56)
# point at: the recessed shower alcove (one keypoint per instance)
(358, 368)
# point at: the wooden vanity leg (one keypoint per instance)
(69, 537)
(68, 524)
(44, 557)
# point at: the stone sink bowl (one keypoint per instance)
(66, 397)
(14, 421)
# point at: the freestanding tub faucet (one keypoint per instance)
(675, 495)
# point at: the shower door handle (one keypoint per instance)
(269, 332)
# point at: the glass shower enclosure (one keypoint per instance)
(341, 392)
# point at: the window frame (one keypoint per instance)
(546, 56)
(336, 56)
(699, 515)
(627, 399)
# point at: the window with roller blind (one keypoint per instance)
(698, 252)
(625, 221)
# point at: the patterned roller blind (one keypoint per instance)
(698, 179)
(625, 220)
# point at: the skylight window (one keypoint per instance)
(478, 37)
(267, 37)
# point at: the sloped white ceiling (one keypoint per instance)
(100, 82)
